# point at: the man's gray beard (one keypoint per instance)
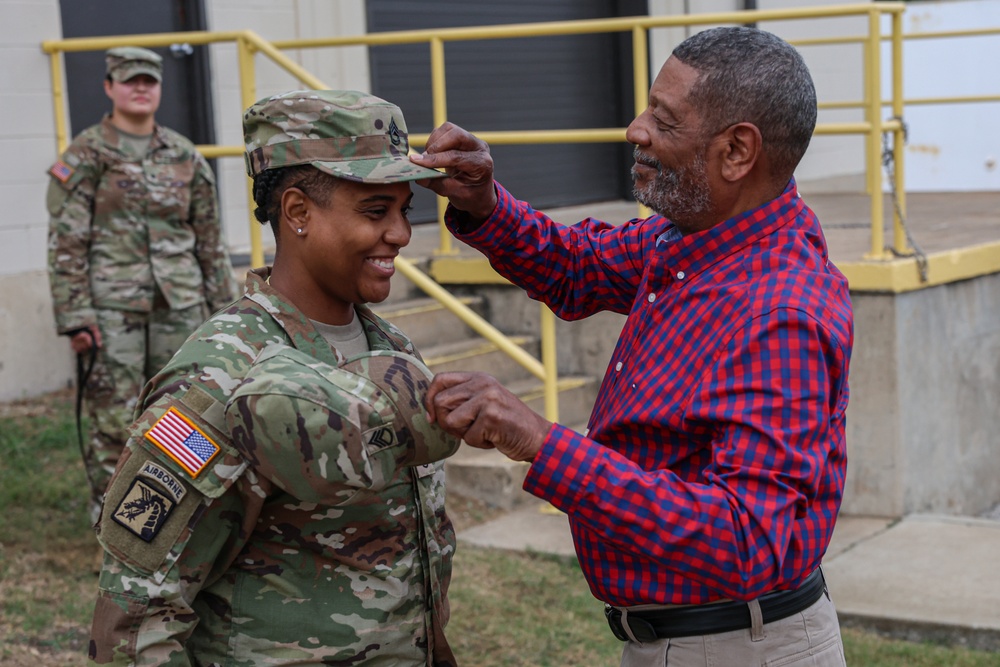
(676, 194)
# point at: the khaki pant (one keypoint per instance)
(135, 346)
(809, 638)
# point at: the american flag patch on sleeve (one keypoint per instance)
(61, 170)
(182, 441)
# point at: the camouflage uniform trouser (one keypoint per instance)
(135, 346)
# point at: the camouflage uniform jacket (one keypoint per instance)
(232, 567)
(123, 225)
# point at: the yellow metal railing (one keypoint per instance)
(248, 44)
(872, 127)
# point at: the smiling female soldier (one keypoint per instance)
(281, 498)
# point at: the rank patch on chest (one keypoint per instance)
(144, 509)
(61, 171)
(381, 438)
(182, 441)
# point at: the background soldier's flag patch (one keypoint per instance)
(184, 442)
(61, 170)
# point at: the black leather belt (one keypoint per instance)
(710, 619)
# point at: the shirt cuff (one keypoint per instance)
(562, 469)
(502, 221)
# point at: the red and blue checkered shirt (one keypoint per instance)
(715, 458)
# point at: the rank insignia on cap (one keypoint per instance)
(61, 171)
(182, 441)
(394, 132)
(144, 509)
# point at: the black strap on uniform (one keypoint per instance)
(83, 369)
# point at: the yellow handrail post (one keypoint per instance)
(899, 136)
(58, 104)
(875, 132)
(248, 90)
(640, 80)
(866, 105)
(439, 96)
(549, 362)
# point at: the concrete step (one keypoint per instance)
(426, 322)
(488, 476)
(480, 355)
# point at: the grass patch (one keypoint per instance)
(41, 474)
(525, 610)
(509, 609)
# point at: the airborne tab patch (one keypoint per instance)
(144, 509)
(182, 441)
(170, 483)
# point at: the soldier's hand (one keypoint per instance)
(82, 341)
(481, 411)
(467, 161)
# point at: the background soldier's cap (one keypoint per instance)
(361, 421)
(345, 133)
(125, 62)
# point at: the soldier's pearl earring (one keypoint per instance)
(299, 230)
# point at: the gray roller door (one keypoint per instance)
(518, 84)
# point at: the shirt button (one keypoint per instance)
(651, 298)
(618, 366)
(680, 275)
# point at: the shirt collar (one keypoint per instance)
(304, 336)
(694, 253)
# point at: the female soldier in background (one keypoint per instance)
(136, 256)
(281, 498)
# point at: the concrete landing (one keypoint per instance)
(923, 577)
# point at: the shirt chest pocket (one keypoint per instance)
(169, 178)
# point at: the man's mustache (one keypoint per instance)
(646, 160)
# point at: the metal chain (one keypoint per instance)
(889, 162)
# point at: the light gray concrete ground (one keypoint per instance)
(923, 577)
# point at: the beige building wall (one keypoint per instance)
(32, 358)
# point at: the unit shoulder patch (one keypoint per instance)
(147, 509)
(144, 509)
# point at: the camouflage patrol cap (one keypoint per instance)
(321, 427)
(125, 62)
(345, 133)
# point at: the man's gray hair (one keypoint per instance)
(752, 76)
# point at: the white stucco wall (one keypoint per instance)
(953, 147)
(32, 358)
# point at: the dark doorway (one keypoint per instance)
(540, 83)
(186, 104)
